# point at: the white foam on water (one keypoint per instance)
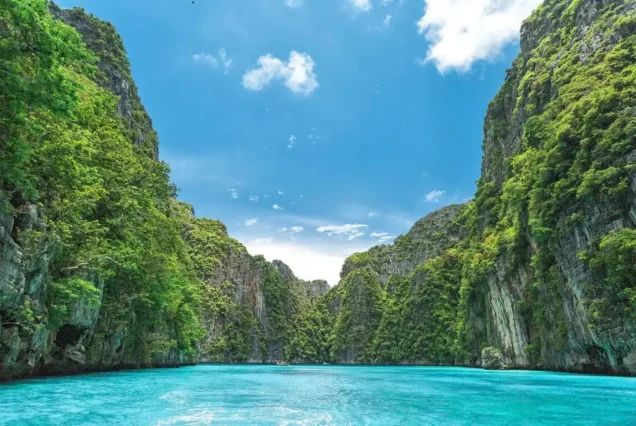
(204, 417)
(178, 397)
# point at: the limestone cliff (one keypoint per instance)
(115, 74)
(52, 292)
(541, 264)
(376, 298)
(565, 114)
(132, 279)
(250, 305)
(101, 268)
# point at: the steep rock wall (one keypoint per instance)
(566, 49)
(541, 264)
(131, 279)
(52, 290)
(250, 304)
(115, 74)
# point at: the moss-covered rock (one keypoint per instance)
(492, 359)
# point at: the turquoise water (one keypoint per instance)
(325, 395)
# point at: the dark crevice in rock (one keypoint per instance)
(69, 335)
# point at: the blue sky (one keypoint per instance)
(317, 128)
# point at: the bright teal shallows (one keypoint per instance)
(302, 395)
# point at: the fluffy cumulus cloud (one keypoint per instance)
(461, 32)
(280, 192)
(382, 237)
(294, 4)
(387, 21)
(277, 207)
(434, 196)
(254, 198)
(250, 222)
(361, 5)
(233, 193)
(220, 60)
(297, 73)
(350, 231)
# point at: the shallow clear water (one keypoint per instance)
(325, 395)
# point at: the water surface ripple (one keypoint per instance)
(320, 395)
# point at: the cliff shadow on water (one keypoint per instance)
(101, 267)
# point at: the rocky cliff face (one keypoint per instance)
(539, 271)
(115, 74)
(428, 238)
(23, 275)
(540, 265)
(541, 304)
(87, 336)
(373, 305)
(149, 285)
(251, 307)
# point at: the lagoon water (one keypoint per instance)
(320, 395)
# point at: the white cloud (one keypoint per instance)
(213, 60)
(434, 196)
(277, 207)
(292, 141)
(351, 231)
(225, 61)
(250, 222)
(462, 32)
(291, 230)
(280, 192)
(309, 261)
(387, 21)
(233, 193)
(361, 5)
(297, 73)
(382, 237)
(372, 214)
(254, 198)
(206, 58)
(294, 3)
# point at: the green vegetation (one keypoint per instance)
(359, 316)
(558, 165)
(612, 294)
(574, 153)
(114, 263)
(92, 199)
(65, 294)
